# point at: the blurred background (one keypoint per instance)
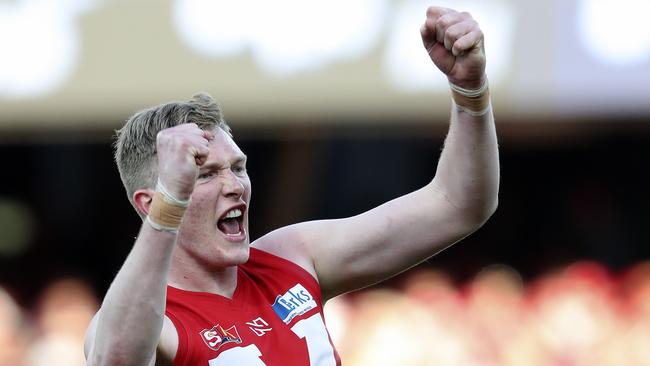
(339, 109)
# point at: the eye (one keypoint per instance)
(205, 175)
(239, 169)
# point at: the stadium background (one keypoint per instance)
(335, 120)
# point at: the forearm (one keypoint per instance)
(468, 169)
(132, 312)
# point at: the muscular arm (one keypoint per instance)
(131, 324)
(355, 252)
(351, 253)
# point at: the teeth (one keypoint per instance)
(233, 214)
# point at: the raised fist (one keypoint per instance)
(181, 151)
(454, 42)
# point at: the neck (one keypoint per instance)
(187, 274)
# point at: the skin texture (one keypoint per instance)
(343, 255)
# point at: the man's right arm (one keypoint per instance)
(131, 323)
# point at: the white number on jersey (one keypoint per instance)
(311, 329)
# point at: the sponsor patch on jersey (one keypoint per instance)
(294, 302)
(217, 336)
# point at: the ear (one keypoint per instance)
(142, 200)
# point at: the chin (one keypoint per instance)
(236, 256)
(243, 257)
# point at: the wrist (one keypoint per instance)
(475, 101)
(166, 211)
(173, 198)
(471, 84)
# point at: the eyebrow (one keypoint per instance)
(239, 158)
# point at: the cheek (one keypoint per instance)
(247, 188)
(199, 212)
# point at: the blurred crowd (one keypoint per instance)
(581, 314)
(51, 333)
(577, 315)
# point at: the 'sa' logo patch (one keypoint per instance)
(217, 336)
(294, 302)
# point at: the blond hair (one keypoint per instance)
(135, 143)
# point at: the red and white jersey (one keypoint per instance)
(275, 317)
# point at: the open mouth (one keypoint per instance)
(232, 222)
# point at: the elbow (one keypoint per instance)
(469, 212)
(490, 210)
(475, 216)
(487, 211)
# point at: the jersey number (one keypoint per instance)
(311, 329)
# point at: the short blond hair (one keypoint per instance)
(135, 143)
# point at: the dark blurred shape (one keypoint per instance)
(17, 227)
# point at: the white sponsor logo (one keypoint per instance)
(294, 302)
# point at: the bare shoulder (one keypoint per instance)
(292, 243)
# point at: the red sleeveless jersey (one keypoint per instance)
(275, 317)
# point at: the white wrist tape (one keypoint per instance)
(470, 93)
(169, 198)
(160, 227)
(475, 102)
(166, 211)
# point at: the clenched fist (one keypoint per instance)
(181, 151)
(454, 42)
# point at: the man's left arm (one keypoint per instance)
(355, 252)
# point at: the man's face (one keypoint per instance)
(214, 231)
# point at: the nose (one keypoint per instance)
(232, 187)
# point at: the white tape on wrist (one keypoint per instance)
(169, 198)
(475, 102)
(470, 93)
(161, 227)
(166, 211)
(473, 112)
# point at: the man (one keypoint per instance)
(193, 292)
